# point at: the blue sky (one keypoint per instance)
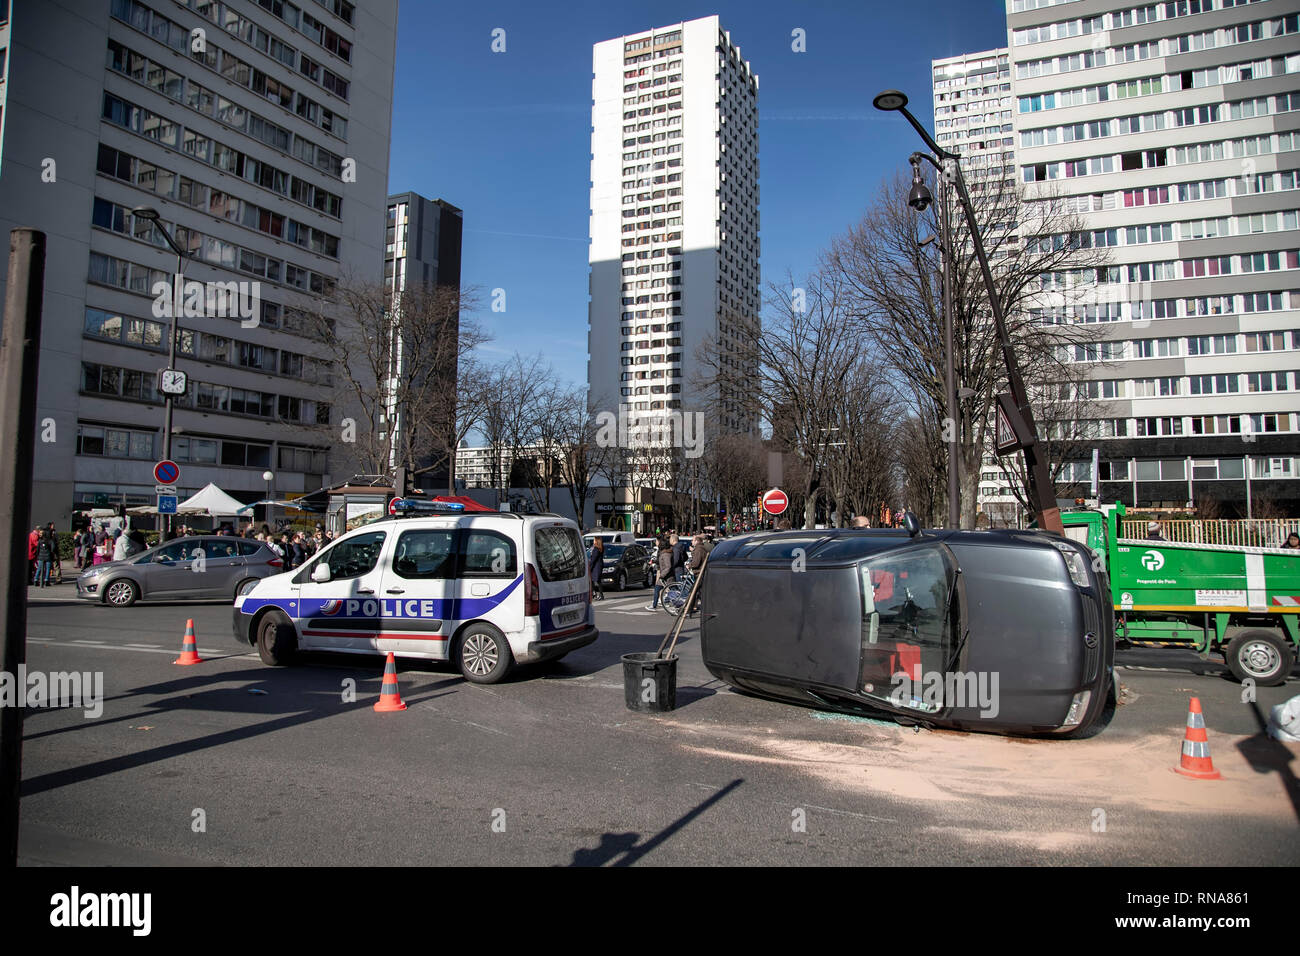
(506, 136)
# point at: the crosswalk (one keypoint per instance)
(635, 606)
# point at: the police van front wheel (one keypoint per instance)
(482, 654)
(276, 640)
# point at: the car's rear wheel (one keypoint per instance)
(482, 654)
(620, 582)
(121, 593)
(1261, 656)
(276, 641)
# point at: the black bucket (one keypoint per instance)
(649, 682)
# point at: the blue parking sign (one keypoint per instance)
(166, 504)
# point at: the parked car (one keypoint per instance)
(199, 568)
(1003, 631)
(627, 564)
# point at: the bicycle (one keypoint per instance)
(674, 597)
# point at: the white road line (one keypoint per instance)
(205, 654)
(80, 641)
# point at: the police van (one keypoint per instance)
(484, 591)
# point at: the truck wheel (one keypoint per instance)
(482, 654)
(1262, 656)
(276, 641)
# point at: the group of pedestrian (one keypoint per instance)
(674, 558)
(43, 557)
(294, 548)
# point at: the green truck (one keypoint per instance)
(1241, 602)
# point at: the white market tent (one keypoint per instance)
(210, 500)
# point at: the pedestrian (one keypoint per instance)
(698, 551)
(678, 547)
(596, 567)
(136, 541)
(120, 545)
(56, 563)
(1292, 542)
(45, 547)
(861, 521)
(33, 543)
(663, 574)
(78, 552)
(1153, 531)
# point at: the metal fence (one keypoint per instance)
(1240, 533)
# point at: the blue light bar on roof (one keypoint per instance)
(416, 505)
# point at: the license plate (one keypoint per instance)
(568, 617)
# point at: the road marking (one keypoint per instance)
(79, 641)
(205, 654)
(142, 645)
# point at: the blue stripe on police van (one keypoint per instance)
(339, 612)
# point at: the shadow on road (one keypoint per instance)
(1265, 755)
(298, 695)
(622, 849)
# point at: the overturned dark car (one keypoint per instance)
(1003, 631)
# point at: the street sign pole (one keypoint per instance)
(20, 348)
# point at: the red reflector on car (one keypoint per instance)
(275, 563)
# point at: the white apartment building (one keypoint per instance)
(259, 131)
(973, 114)
(674, 221)
(482, 466)
(1173, 128)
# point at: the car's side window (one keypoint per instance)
(488, 554)
(171, 554)
(354, 557)
(425, 553)
(215, 549)
(247, 549)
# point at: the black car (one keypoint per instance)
(626, 564)
(1003, 631)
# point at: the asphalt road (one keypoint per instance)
(550, 768)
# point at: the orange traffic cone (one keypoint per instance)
(1196, 760)
(390, 698)
(189, 647)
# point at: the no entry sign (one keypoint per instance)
(775, 502)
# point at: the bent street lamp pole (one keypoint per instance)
(1042, 493)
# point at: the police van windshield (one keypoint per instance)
(351, 557)
(560, 556)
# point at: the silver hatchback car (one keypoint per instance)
(203, 568)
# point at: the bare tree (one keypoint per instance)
(805, 350)
(392, 356)
(895, 287)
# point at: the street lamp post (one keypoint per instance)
(919, 199)
(178, 292)
(268, 477)
(1042, 493)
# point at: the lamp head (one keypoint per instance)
(145, 212)
(889, 101)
